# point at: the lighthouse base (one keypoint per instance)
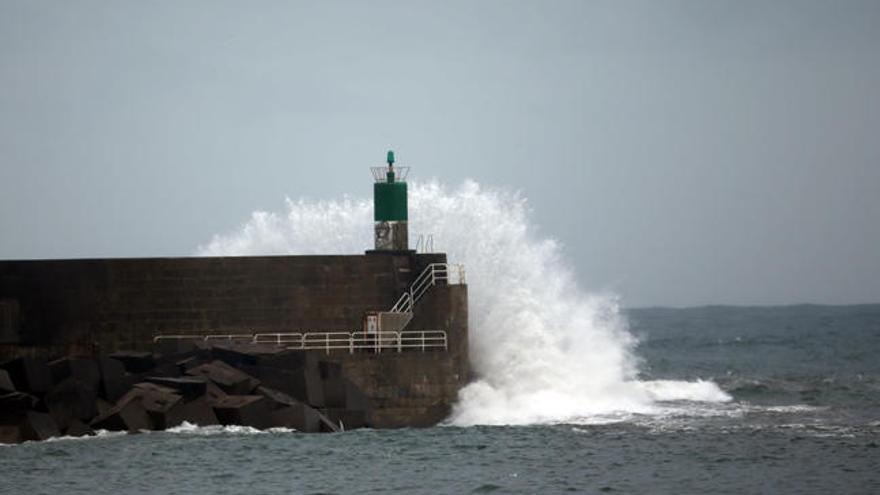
(392, 236)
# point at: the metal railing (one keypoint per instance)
(230, 337)
(277, 338)
(433, 273)
(378, 342)
(422, 339)
(159, 338)
(328, 341)
(425, 243)
(324, 340)
(380, 173)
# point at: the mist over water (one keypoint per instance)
(544, 350)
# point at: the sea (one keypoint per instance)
(571, 393)
(803, 417)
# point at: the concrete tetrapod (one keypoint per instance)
(135, 392)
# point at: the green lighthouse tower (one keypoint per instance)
(390, 206)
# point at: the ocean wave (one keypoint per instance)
(544, 350)
(816, 389)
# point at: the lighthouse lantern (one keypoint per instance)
(390, 206)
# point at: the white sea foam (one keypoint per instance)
(98, 434)
(544, 350)
(796, 408)
(187, 428)
(699, 390)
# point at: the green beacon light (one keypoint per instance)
(390, 206)
(390, 175)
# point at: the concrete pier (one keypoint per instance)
(91, 307)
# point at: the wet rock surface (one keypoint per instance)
(261, 387)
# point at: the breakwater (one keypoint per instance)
(51, 309)
(257, 386)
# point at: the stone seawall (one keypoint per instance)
(54, 308)
(415, 388)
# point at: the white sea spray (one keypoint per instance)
(543, 349)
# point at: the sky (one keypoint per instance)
(683, 152)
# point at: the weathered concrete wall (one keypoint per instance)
(406, 389)
(413, 388)
(59, 307)
(123, 303)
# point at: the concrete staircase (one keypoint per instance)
(399, 316)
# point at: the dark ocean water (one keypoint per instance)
(805, 418)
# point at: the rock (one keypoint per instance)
(159, 404)
(189, 387)
(10, 433)
(234, 355)
(151, 397)
(167, 347)
(71, 400)
(303, 384)
(347, 419)
(78, 429)
(127, 415)
(193, 355)
(113, 380)
(299, 417)
(327, 425)
(197, 412)
(133, 391)
(191, 362)
(83, 369)
(290, 413)
(244, 410)
(167, 370)
(31, 375)
(214, 394)
(59, 369)
(102, 406)
(149, 387)
(38, 426)
(16, 402)
(6, 384)
(231, 380)
(278, 398)
(135, 362)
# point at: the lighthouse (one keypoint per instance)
(390, 206)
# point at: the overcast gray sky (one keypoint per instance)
(684, 152)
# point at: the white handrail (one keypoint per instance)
(423, 340)
(278, 338)
(227, 336)
(232, 336)
(425, 243)
(330, 340)
(433, 273)
(157, 338)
